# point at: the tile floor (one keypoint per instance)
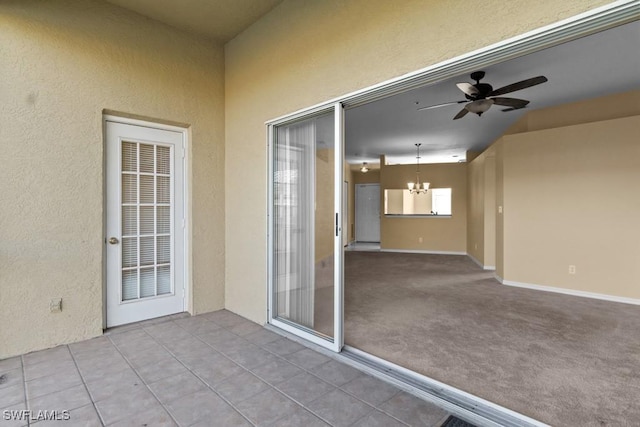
(216, 369)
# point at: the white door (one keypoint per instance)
(144, 222)
(368, 212)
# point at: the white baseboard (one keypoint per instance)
(484, 267)
(573, 292)
(407, 251)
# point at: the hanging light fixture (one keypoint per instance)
(416, 187)
(364, 168)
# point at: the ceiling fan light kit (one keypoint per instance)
(481, 96)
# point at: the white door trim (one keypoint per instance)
(186, 206)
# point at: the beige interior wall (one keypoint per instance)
(498, 147)
(571, 199)
(475, 208)
(324, 213)
(305, 52)
(481, 208)
(62, 63)
(490, 210)
(614, 106)
(426, 233)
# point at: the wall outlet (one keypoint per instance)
(572, 269)
(419, 239)
(55, 305)
(476, 246)
(499, 209)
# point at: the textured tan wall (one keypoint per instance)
(304, 52)
(475, 208)
(325, 198)
(62, 63)
(438, 234)
(490, 211)
(571, 199)
(481, 208)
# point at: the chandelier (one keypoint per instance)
(417, 188)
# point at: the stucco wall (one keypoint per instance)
(61, 64)
(305, 52)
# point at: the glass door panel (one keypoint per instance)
(303, 227)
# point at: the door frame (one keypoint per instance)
(186, 191)
(338, 252)
(356, 211)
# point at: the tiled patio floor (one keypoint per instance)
(216, 369)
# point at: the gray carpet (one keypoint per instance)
(564, 360)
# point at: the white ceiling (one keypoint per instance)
(600, 64)
(218, 20)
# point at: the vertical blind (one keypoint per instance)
(146, 220)
(294, 159)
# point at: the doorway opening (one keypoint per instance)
(440, 290)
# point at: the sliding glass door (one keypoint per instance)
(305, 226)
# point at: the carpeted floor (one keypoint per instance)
(564, 360)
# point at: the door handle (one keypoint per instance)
(114, 241)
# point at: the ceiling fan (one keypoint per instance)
(481, 96)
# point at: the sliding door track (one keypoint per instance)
(463, 405)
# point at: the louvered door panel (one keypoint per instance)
(146, 220)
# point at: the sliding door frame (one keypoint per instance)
(593, 21)
(337, 342)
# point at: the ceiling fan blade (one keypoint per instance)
(512, 109)
(442, 105)
(511, 102)
(468, 88)
(461, 114)
(519, 85)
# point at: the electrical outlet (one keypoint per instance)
(499, 209)
(55, 305)
(572, 269)
(476, 246)
(419, 239)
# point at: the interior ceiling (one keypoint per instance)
(218, 20)
(604, 63)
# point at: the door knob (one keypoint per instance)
(114, 241)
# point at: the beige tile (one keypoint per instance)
(199, 406)
(241, 387)
(52, 383)
(411, 410)
(304, 388)
(276, 372)
(339, 409)
(174, 387)
(12, 395)
(336, 373)
(370, 390)
(266, 407)
(126, 404)
(114, 383)
(68, 400)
